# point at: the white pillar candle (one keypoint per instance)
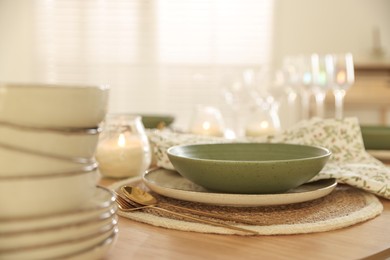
(207, 128)
(123, 149)
(122, 156)
(260, 129)
(207, 120)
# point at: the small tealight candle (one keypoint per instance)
(260, 129)
(123, 150)
(206, 128)
(208, 121)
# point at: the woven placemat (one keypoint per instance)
(344, 207)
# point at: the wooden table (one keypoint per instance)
(143, 241)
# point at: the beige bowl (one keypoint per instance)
(22, 196)
(101, 206)
(53, 106)
(72, 143)
(18, 162)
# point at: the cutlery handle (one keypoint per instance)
(192, 218)
(208, 214)
(136, 208)
(207, 221)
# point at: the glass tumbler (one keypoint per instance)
(123, 149)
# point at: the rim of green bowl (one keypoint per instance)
(327, 152)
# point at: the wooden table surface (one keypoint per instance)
(143, 241)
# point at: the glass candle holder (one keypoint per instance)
(123, 149)
(207, 120)
(264, 121)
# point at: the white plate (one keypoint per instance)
(100, 206)
(72, 249)
(171, 184)
(96, 252)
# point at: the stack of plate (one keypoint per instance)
(50, 205)
(83, 233)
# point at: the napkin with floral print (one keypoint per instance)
(349, 164)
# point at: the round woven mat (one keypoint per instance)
(345, 206)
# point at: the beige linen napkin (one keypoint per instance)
(349, 164)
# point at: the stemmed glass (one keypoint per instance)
(342, 76)
(305, 71)
(320, 82)
(289, 77)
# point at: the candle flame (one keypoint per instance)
(121, 140)
(206, 125)
(264, 124)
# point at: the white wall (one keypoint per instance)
(301, 26)
(304, 26)
(16, 41)
(331, 26)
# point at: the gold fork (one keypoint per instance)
(194, 211)
(125, 206)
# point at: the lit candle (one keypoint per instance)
(121, 156)
(207, 128)
(260, 129)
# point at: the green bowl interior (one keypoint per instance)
(248, 167)
(248, 152)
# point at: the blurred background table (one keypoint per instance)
(144, 241)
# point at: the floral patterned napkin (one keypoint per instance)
(349, 164)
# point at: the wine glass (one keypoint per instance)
(320, 82)
(287, 78)
(305, 72)
(341, 78)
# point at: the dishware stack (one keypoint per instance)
(50, 204)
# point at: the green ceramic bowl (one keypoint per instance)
(157, 121)
(376, 137)
(258, 168)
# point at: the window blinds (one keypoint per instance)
(158, 56)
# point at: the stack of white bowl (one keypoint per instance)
(50, 205)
